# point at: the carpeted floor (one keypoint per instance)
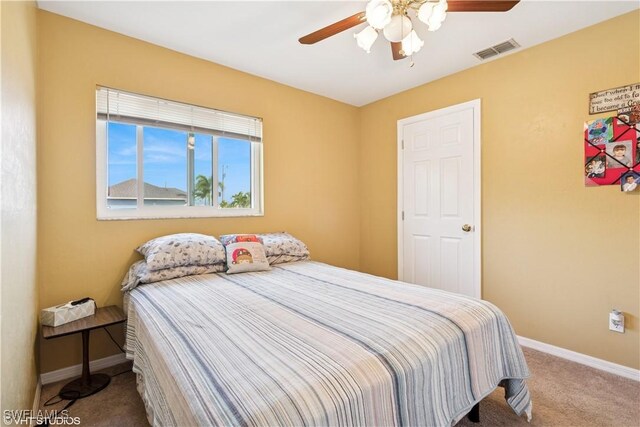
(564, 394)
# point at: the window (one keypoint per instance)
(164, 159)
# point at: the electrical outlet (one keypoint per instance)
(616, 321)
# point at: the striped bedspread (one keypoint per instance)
(310, 344)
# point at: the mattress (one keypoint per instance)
(311, 344)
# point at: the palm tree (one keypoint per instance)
(203, 188)
(203, 191)
(241, 200)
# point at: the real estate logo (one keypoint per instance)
(39, 417)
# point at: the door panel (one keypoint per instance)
(449, 187)
(438, 199)
(421, 173)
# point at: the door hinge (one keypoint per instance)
(403, 144)
(403, 215)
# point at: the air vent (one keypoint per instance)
(496, 50)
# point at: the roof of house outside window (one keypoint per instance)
(128, 190)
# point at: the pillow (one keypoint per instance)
(139, 273)
(280, 259)
(246, 256)
(283, 247)
(176, 250)
(233, 238)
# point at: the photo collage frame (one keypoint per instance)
(612, 152)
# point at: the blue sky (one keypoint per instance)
(165, 158)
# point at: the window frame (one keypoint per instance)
(103, 212)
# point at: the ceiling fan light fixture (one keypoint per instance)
(366, 38)
(399, 27)
(378, 13)
(394, 19)
(411, 44)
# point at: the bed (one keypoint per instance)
(311, 344)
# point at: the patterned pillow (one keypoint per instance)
(246, 256)
(139, 273)
(280, 259)
(283, 247)
(176, 250)
(233, 238)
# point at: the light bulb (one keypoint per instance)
(366, 37)
(379, 13)
(399, 27)
(411, 44)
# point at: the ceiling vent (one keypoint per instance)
(496, 50)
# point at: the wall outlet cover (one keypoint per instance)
(616, 321)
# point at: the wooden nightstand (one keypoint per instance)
(88, 383)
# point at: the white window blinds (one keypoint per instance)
(117, 105)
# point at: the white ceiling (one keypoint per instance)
(260, 37)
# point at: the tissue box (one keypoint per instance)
(65, 313)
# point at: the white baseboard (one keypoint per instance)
(583, 359)
(76, 370)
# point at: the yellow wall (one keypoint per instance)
(550, 259)
(18, 189)
(556, 256)
(310, 164)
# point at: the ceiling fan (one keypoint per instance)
(392, 18)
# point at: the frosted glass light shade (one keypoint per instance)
(378, 13)
(366, 37)
(434, 24)
(442, 6)
(438, 15)
(411, 44)
(399, 27)
(425, 11)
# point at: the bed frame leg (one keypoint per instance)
(474, 414)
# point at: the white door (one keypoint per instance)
(439, 199)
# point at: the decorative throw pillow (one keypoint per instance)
(246, 256)
(176, 250)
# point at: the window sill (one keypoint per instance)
(123, 215)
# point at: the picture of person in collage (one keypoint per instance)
(595, 168)
(619, 154)
(629, 181)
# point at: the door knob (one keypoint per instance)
(466, 228)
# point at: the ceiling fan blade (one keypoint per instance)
(333, 29)
(481, 5)
(396, 48)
